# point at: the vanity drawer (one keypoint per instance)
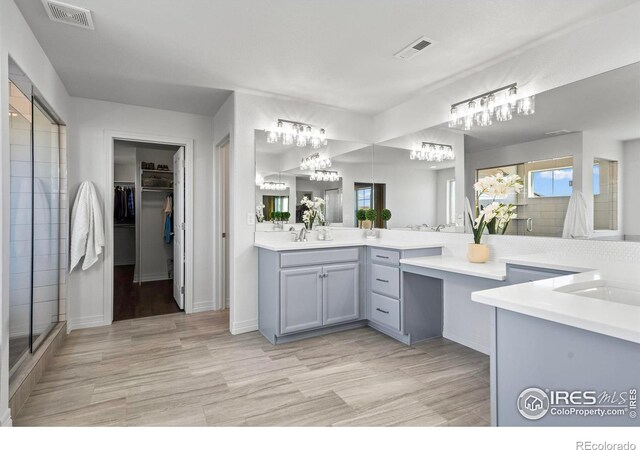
(385, 280)
(385, 311)
(382, 256)
(319, 257)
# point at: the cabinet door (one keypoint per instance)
(341, 299)
(300, 299)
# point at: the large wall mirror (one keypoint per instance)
(282, 182)
(581, 147)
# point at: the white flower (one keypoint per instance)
(499, 185)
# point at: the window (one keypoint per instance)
(451, 201)
(551, 182)
(596, 178)
(363, 197)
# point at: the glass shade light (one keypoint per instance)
(273, 186)
(322, 175)
(302, 135)
(527, 106)
(500, 105)
(453, 117)
(315, 162)
(432, 153)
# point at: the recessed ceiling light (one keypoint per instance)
(433, 167)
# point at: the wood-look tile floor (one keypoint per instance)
(188, 370)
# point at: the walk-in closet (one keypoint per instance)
(148, 200)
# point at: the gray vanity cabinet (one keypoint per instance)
(340, 293)
(305, 293)
(388, 310)
(301, 299)
(523, 274)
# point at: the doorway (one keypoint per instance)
(149, 240)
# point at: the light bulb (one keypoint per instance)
(272, 137)
(527, 106)
(512, 96)
(453, 117)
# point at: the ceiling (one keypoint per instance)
(188, 55)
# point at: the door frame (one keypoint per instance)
(110, 136)
(218, 242)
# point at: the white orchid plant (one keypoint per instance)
(496, 216)
(260, 213)
(313, 212)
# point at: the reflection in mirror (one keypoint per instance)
(577, 156)
(422, 195)
(281, 183)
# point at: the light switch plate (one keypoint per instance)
(251, 219)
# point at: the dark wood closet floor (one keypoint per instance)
(131, 300)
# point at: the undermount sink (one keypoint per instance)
(608, 290)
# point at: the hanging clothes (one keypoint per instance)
(124, 204)
(167, 215)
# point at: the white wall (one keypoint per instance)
(631, 202)
(87, 161)
(251, 112)
(17, 41)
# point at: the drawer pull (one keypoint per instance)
(382, 257)
(382, 311)
(381, 280)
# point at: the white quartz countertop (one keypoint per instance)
(492, 270)
(281, 246)
(556, 261)
(541, 299)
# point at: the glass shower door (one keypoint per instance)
(46, 224)
(21, 244)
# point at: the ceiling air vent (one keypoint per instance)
(69, 14)
(413, 49)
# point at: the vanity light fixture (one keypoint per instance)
(315, 162)
(324, 175)
(500, 104)
(432, 152)
(273, 186)
(301, 134)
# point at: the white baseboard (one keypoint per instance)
(5, 418)
(86, 322)
(475, 345)
(244, 326)
(202, 307)
(160, 276)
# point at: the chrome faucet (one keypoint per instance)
(302, 237)
(440, 227)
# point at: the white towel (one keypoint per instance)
(87, 228)
(576, 222)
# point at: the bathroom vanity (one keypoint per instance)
(569, 331)
(314, 288)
